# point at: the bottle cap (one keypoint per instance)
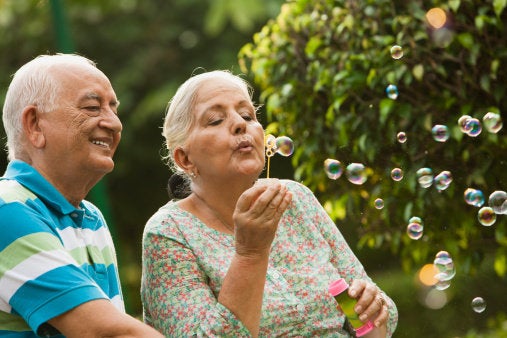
(338, 286)
(361, 331)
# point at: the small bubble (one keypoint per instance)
(443, 180)
(401, 137)
(440, 133)
(492, 122)
(473, 127)
(478, 304)
(356, 173)
(486, 216)
(397, 174)
(379, 203)
(425, 177)
(396, 52)
(474, 197)
(445, 265)
(284, 145)
(415, 230)
(333, 168)
(392, 92)
(415, 219)
(498, 202)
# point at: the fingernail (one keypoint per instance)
(363, 317)
(358, 309)
(377, 324)
(353, 292)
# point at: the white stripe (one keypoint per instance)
(31, 268)
(118, 303)
(77, 237)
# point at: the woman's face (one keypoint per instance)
(226, 139)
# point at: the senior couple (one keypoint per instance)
(229, 255)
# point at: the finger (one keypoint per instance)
(268, 199)
(247, 198)
(375, 310)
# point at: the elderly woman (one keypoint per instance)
(236, 255)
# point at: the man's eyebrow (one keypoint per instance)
(95, 96)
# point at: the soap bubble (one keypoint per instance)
(486, 216)
(443, 180)
(425, 177)
(284, 146)
(474, 197)
(392, 92)
(379, 203)
(356, 173)
(462, 122)
(478, 304)
(401, 137)
(397, 174)
(396, 52)
(473, 127)
(415, 219)
(442, 284)
(270, 143)
(333, 168)
(498, 202)
(445, 265)
(415, 230)
(492, 122)
(440, 133)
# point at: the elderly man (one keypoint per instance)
(58, 269)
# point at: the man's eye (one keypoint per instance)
(93, 108)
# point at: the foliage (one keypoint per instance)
(323, 67)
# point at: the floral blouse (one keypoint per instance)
(185, 262)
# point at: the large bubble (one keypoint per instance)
(356, 173)
(378, 203)
(333, 168)
(284, 145)
(462, 123)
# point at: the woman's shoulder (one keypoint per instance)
(166, 215)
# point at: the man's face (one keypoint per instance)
(83, 131)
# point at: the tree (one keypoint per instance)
(323, 67)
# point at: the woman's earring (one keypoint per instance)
(192, 174)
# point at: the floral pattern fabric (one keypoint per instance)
(185, 262)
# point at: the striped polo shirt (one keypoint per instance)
(53, 256)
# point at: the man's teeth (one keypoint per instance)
(100, 143)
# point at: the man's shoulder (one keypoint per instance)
(12, 191)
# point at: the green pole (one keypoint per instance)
(98, 194)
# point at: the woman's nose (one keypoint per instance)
(239, 124)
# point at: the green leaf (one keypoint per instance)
(499, 6)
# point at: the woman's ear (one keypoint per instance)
(182, 160)
(30, 118)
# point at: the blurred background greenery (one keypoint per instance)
(320, 68)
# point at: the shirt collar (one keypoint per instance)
(30, 178)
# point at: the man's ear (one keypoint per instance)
(182, 160)
(31, 126)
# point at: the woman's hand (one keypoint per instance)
(371, 305)
(256, 217)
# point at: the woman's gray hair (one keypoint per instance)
(179, 117)
(33, 84)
